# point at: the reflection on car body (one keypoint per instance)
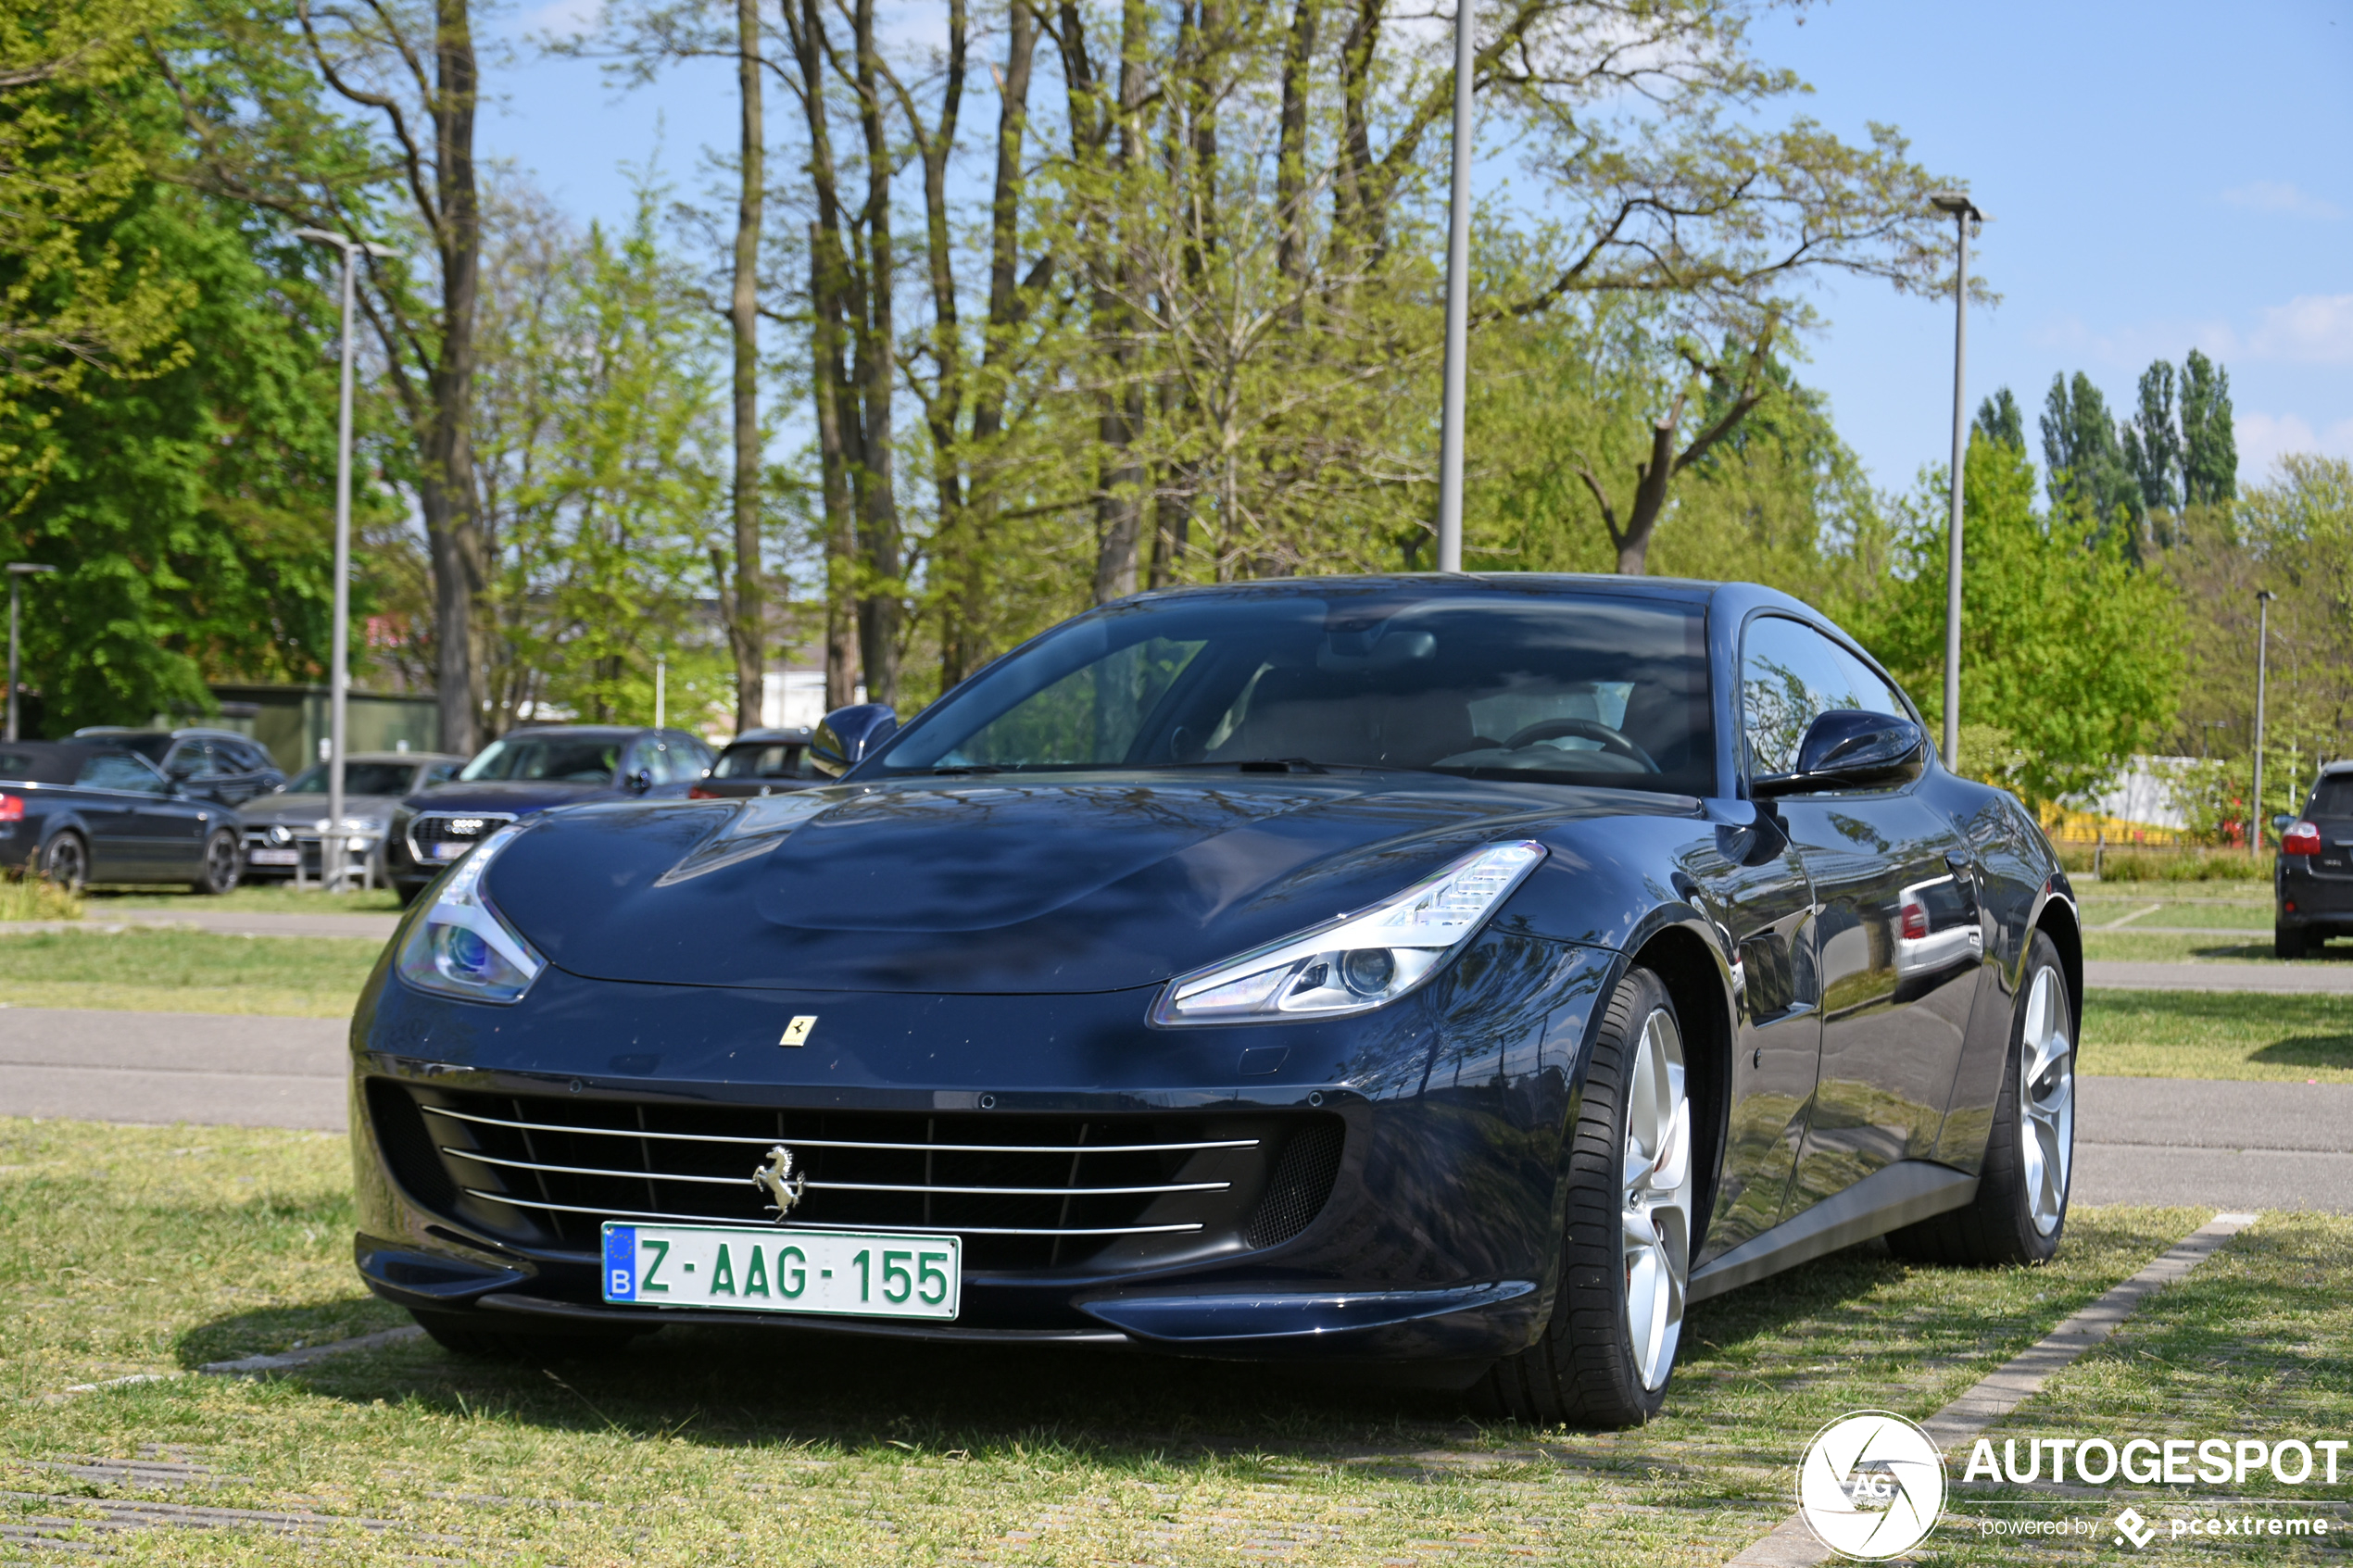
(1403, 969)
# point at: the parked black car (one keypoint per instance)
(77, 811)
(759, 762)
(2312, 884)
(285, 828)
(1459, 971)
(530, 770)
(214, 764)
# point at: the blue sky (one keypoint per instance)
(2162, 176)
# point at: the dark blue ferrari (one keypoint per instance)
(1454, 975)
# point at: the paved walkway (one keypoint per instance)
(2309, 978)
(2202, 1141)
(217, 1068)
(222, 922)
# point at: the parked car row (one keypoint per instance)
(209, 808)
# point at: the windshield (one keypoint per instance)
(358, 778)
(1555, 687)
(763, 760)
(556, 758)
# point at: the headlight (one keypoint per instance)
(463, 947)
(1358, 961)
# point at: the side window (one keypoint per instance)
(196, 760)
(1873, 694)
(1790, 676)
(120, 772)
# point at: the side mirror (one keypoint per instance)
(1847, 748)
(849, 735)
(638, 781)
(2282, 822)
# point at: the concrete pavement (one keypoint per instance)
(2202, 1141)
(2307, 979)
(221, 1068)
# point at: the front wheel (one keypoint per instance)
(222, 862)
(1617, 1316)
(2030, 1157)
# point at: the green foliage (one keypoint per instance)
(2087, 473)
(189, 506)
(2152, 444)
(2209, 443)
(2065, 646)
(1998, 418)
(601, 449)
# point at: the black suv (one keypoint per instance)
(527, 770)
(214, 764)
(2314, 884)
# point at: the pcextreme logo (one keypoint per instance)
(1870, 1485)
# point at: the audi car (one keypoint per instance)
(1445, 977)
(530, 770)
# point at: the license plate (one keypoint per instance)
(274, 856)
(839, 1274)
(449, 851)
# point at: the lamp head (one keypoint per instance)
(1956, 203)
(28, 568)
(2265, 594)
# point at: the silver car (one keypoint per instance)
(284, 829)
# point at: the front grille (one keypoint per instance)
(429, 829)
(1025, 1191)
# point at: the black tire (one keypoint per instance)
(1582, 1371)
(483, 1336)
(66, 861)
(2289, 942)
(223, 861)
(2000, 1226)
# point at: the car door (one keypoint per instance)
(111, 787)
(1898, 941)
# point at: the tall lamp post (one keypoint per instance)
(332, 860)
(2263, 597)
(1450, 438)
(18, 572)
(1964, 213)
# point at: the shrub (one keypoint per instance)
(34, 898)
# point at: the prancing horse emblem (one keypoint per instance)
(776, 1178)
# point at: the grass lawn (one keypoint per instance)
(149, 1250)
(184, 972)
(2219, 1035)
(2251, 914)
(2159, 947)
(274, 898)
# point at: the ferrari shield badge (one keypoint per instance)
(796, 1031)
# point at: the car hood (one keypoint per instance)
(307, 810)
(1086, 883)
(519, 796)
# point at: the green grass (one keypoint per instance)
(2219, 1035)
(277, 898)
(185, 972)
(32, 897)
(2153, 908)
(2201, 866)
(149, 1250)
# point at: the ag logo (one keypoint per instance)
(1871, 1485)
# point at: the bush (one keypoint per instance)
(2142, 865)
(34, 898)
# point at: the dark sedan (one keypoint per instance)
(79, 812)
(1466, 972)
(220, 765)
(2312, 883)
(531, 770)
(760, 762)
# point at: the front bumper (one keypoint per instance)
(1432, 1235)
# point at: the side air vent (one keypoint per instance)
(407, 1148)
(1301, 1185)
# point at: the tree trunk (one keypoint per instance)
(452, 533)
(1119, 501)
(876, 371)
(748, 627)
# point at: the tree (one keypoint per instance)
(2210, 445)
(2086, 471)
(1998, 418)
(2068, 649)
(2153, 446)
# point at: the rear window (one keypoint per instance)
(775, 759)
(2333, 798)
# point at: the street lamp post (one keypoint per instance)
(2263, 597)
(1964, 213)
(1450, 437)
(18, 572)
(331, 842)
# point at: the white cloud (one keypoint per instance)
(2263, 439)
(564, 18)
(2278, 195)
(2312, 327)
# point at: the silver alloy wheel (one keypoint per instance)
(2047, 1100)
(1655, 1220)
